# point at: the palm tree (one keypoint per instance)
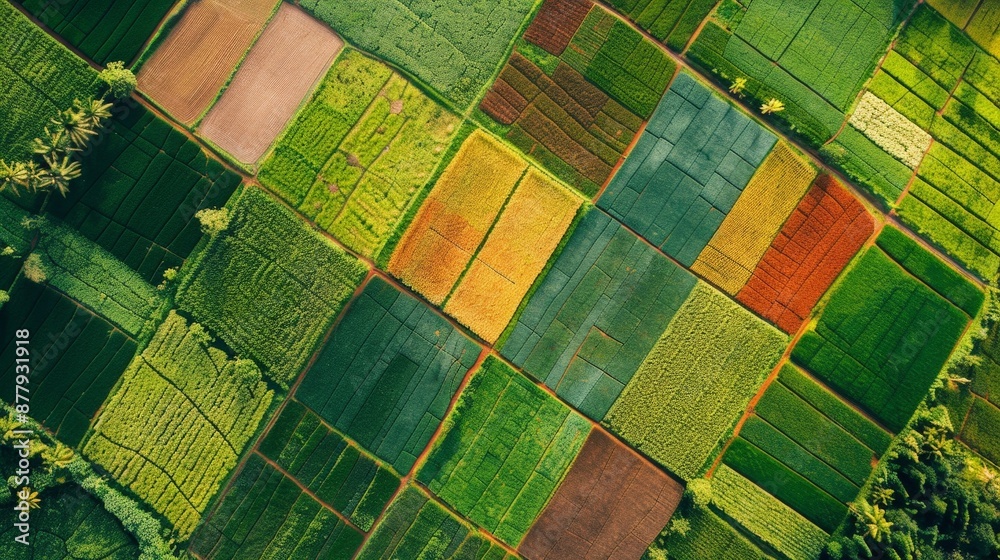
(772, 106)
(57, 457)
(57, 142)
(37, 178)
(93, 111)
(873, 517)
(737, 87)
(62, 171)
(74, 126)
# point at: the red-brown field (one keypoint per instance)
(283, 66)
(556, 23)
(815, 244)
(611, 505)
(191, 66)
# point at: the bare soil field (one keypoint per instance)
(611, 505)
(195, 61)
(284, 64)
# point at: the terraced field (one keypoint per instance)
(491, 280)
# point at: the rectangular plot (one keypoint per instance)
(695, 157)
(255, 106)
(603, 304)
(505, 447)
(388, 373)
(265, 514)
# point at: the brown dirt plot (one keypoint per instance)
(288, 59)
(191, 66)
(611, 505)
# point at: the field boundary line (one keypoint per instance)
(307, 491)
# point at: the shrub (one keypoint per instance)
(699, 491)
(213, 220)
(120, 80)
(34, 269)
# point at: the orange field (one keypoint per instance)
(284, 64)
(456, 216)
(527, 232)
(187, 71)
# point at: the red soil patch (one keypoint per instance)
(611, 505)
(191, 66)
(555, 24)
(817, 241)
(563, 114)
(288, 59)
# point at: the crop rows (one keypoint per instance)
(620, 61)
(611, 504)
(697, 380)
(762, 515)
(140, 188)
(981, 429)
(710, 536)
(596, 314)
(555, 24)
(454, 47)
(817, 241)
(38, 76)
(177, 424)
(71, 524)
(359, 152)
(103, 30)
(269, 286)
(692, 162)
(882, 338)
(78, 358)
(506, 446)
(335, 471)
(672, 21)
(890, 130)
(729, 259)
(483, 235)
(266, 515)
(87, 273)
(388, 373)
(562, 121)
(416, 526)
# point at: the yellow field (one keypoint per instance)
(456, 216)
(738, 245)
(517, 249)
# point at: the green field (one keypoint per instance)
(596, 315)
(671, 21)
(452, 46)
(695, 157)
(141, 187)
(269, 254)
(266, 515)
(103, 30)
(505, 447)
(388, 373)
(180, 384)
(360, 152)
(696, 382)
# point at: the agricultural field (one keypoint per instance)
(673, 22)
(103, 30)
(697, 380)
(597, 314)
(266, 513)
(488, 280)
(691, 164)
(612, 504)
(883, 365)
(39, 76)
(417, 526)
(359, 154)
(180, 384)
(505, 447)
(453, 47)
(509, 218)
(80, 360)
(729, 259)
(818, 239)
(388, 373)
(192, 64)
(268, 253)
(343, 477)
(140, 189)
(576, 105)
(255, 107)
